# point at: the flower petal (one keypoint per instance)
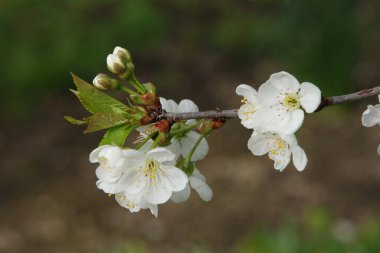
(250, 115)
(249, 93)
(95, 153)
(169, 105)
(299, 158)
(181, 196)
(378, 150)
(259, 144)
(156, 193)
(269, 94)
(173, 178)
(203, 190)
(161, 155)
(371, 116)
(309, 96)
(187, 143)
(133, 181)
(291, 122)
(285, 82)
(186, 105)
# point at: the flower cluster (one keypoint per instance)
(275, 112)
(371, 117)
(144, 177)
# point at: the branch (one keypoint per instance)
(233, 113)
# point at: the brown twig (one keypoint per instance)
(233, 113)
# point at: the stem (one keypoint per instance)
(136, 83)
(187, 160)
(185, 129)
(127, 90)
(233, 113)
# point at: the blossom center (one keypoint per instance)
(291, 102)
(278, 147)
(151, 167)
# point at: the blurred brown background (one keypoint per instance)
(199, 50)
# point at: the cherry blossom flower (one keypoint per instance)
(285, 101)
(111, 167)
(280, 148)
(197, 182)
(152, 175)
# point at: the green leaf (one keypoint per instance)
(103, 120)
(76, 121)
(94, 100)
(117, 135)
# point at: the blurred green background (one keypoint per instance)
(199, 50)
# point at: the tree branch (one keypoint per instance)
(233, 113)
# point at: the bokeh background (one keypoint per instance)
(199, 50)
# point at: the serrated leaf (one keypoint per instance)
(117, 135)
(94, 100)
(103, 120)
(76, 121)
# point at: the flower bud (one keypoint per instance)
(104, 82)
(123, 53)
(116, 64)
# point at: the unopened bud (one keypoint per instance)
(122, 52)
(104, 82)
(116, 64)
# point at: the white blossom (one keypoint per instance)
(197, 182)
(280, 148)
(111, 167)
(371, 117)
(285, 101)
(152, 175)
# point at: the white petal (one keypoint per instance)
(181, 196)
(187, 143)
(378, 150)
(371, 116)
(299, 158)
(131, 204)
(157, 193)
(284, 82)
(133, 181)
(95, 153)
(290, 139)
(248, 92)
(268, 94)
(250, 116)
(198, 174)
(291, 122)
(259, 144)
(173, 178)
(310, 97)
(280, 165)
(174, 147)
(169, 105)
(187, 105)
(161, 155)
(153, 209)
(203, 190)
